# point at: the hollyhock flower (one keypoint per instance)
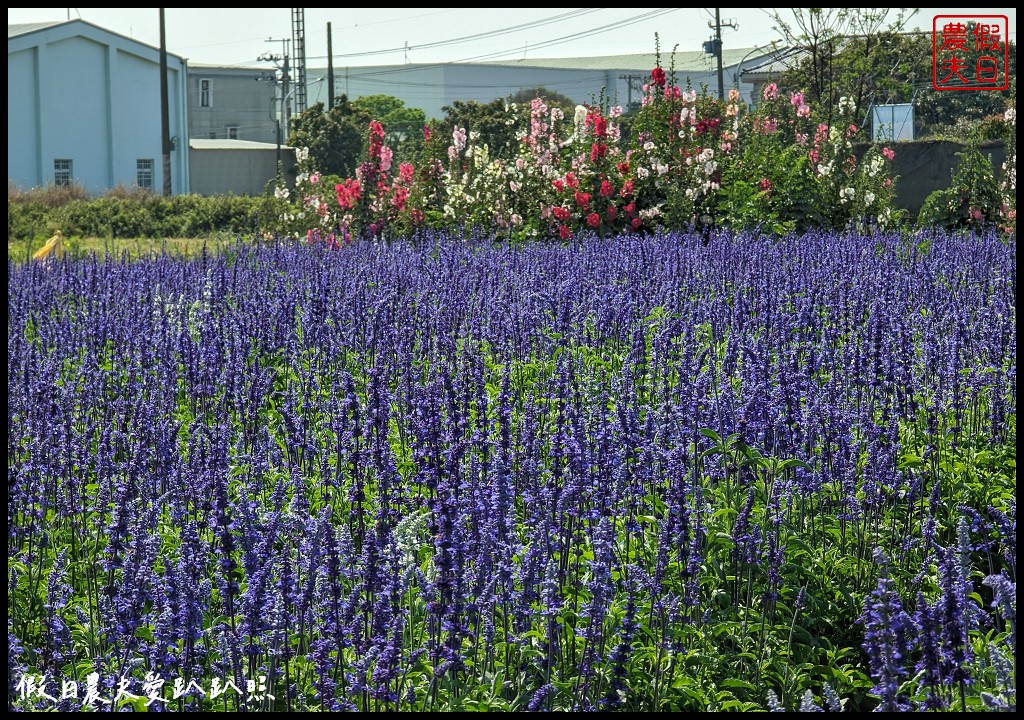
(582, 198)
(459, 139)
(606, 189)
(564, 233)
(888, 153)
(386, 155)
(593, 220)
(658, 77)
(771, 91)
(560, 213)
(734, 95)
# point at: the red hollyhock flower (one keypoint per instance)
(582, 198)
(593, 220)
(606, 189)
(564, 233)
(658, 77)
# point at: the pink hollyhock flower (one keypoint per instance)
(386, 155)
(771, 91)
(888, 153)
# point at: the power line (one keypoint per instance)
(549, 43)
(469, 38)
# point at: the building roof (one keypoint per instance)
(215, 144)
(683, 62)
(780, 62)
(20, 29)
(26, 28)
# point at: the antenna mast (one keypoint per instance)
(299, 50)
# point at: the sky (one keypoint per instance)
(370, 36)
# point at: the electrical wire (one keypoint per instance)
(469, 38)
(549, 43)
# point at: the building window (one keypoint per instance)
(232, 132)
(205, 93)
(62, 173)
(144, 174)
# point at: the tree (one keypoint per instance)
(335, 138)
(550, 97)
(491, 120)
(866, 54)
(403, 126)
(858, 53)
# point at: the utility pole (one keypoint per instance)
(715, 46)
(165, 113)
(283, 80)
(629, 87)
(330, 70)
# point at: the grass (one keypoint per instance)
(19, 251)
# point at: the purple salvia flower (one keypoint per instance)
(887, 632)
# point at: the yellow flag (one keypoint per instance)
(54, 246)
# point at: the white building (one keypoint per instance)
(83, 107)
(619, 78)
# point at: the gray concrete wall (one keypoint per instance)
(923, 166)
(240, 172)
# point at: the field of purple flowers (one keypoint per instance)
(642, 473)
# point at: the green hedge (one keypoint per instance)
(140, 215)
